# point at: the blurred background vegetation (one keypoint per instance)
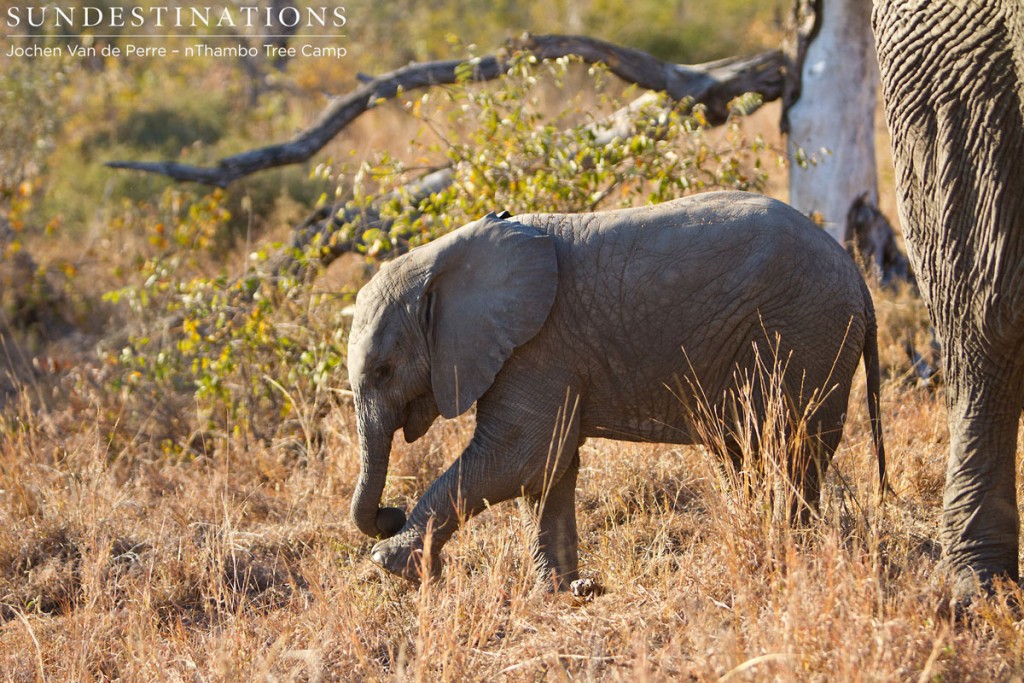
(126, 282)
(684, 31)
(75, 114)
(177, 445)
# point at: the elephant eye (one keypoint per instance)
(382, 373)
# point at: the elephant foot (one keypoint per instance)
(959, 597)
(968, 585)
(964, 603)
(404, 555)
(974, 576)
(555, 580)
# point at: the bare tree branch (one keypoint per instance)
(338, 114)
(323, 227)
(713, 84)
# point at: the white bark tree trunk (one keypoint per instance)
(836, 113)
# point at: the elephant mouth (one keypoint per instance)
(420, 414)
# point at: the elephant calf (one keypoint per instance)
(563, 327)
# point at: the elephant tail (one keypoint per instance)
(874, 382)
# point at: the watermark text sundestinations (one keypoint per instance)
(163, 17)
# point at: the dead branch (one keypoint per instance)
(326, 227)
(713, 84)
(335, 117)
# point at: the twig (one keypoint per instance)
(756, 661)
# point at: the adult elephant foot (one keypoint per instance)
(980, 521)
(408, 556)
(969, 584)
(966, 598)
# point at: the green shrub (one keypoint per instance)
(244, 351)
(506, 152)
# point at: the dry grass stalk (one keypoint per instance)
(238, 563)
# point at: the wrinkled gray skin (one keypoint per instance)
(953, 82)
(563, 327)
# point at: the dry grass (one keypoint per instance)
(240, 564)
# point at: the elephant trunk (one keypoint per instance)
(375, 454)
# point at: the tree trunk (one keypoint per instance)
(832, 108)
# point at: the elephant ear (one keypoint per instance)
(489, 289)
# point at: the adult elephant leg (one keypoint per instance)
(557, 549)
(981, 522)
(951, 75)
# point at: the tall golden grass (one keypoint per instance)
(240, 563)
